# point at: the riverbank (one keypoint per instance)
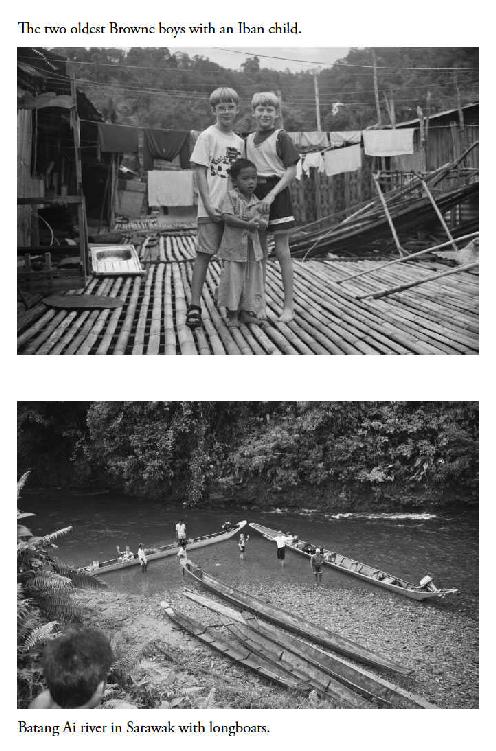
(159, 666)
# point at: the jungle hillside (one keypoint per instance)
(338, 456)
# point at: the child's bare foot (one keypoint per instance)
(286, 315)
(247, 317)
(232, 320)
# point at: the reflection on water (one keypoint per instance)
(407, 547)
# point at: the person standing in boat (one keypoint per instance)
(243, 539)
(142, 557)
(281, 542)
(316, 563)
(181, 533)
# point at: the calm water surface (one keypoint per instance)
(446, 547)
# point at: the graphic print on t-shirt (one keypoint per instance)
(219, 167)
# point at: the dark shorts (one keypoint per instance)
(317, 569)
(281, 212)
(281, 553)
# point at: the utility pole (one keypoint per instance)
(281, 116)
(376, 90)
(317, 99)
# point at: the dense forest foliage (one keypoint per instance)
(157, 87)
(388, 454)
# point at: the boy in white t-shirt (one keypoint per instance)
(216, 149)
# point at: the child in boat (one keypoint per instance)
(275, 157)
(142, 557)
(316, 563)
(428, 584)
(241, 287)
(216, 149)
(182, 557)
(243, 539)
(75, 668)
(125, 555)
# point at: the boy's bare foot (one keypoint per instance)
(233, 321)
(286, 315)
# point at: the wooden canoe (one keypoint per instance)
(347, 565)
(234, 650)
(163, 551)
(297, 625)
(357, 678)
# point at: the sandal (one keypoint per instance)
(193, 316)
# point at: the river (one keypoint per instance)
(406, 545)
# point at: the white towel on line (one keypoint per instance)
(313, 160)
(170, 188)
(388, 142)
(344, 137)
(348, 159)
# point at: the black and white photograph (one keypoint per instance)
(247, 555)
(257, 200)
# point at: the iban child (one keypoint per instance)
(216, 149)
(275, 156)
(241, 288)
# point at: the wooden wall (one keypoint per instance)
(27, 186)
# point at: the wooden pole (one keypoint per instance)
(388, 215)
(405, 258)
(376, 90)
(439, 215)
(281, 116)
(461, 119)
(420, 116)
(317, 100)
(430, 278)
(75, 126)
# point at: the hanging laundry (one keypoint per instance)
(299, 170)
(348, 159)
(314, 139)
(170, 188)
(388, 142)
(166, 144)
(120, 139)
(315, 160)
(339, 138)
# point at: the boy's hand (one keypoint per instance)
(266, 202)
(214, 213)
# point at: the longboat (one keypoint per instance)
(162, 551)
(233, 649)
(347, 565)
(317, 634)
(358, 679)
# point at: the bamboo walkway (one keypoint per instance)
(438, 317)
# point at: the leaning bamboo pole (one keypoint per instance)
(405, 258)
(430, 278)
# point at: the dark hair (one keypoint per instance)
(74, 664)
(238, 165)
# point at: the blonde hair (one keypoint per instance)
(266, 98)
(224, 94)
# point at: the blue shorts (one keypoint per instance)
(208, 236)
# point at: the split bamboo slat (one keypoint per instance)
(340, 309)
(106, 341)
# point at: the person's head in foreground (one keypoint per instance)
(75, 667)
